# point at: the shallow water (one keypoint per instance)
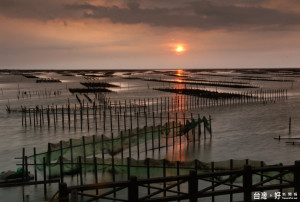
(241, 131)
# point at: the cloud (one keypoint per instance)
(246, 16)
(200, 14)
(38, 9)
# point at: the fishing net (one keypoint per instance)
(101, 144)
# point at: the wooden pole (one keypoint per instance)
(133, 191)
(157, 104)
(145, 131)
(95, 116)
(42, 115)
(290, 125)
(48, 117)
(94, 146)
(113, 161)
(56, 113)
(96, 172)
(81, 116)
(193, 186)
(159, 133)
(167, 133)
(152, 137)
(231, 168)
(80, 170)
(54, 121)
(71, 153)
(138, 136)
(29, 111)
(161, 119)
(87, 116)
(130, 117)
(104, 118)
(49, 159)
(210, 130)
(164, 175)
(45, 177)
(128, 167)
(129, 144)
(148, 173)
(61, 168)
(34, 161)
(61, 148)
(63, 193)
(199, 127)
(118, 121)
(22, 116)
(178, 173)
(69, 116)
(102, 148)
(34, 118)
(213, 183)
(83, 147)
(153, 121)
(75, 117)
(125, 120)
(111, 125)
(247, 183)
(173, 127)
(180, 133)
(122, 147)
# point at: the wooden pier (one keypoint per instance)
(185, 187)
(136, 188)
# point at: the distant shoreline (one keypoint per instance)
(142, 70)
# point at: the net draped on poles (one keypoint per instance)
(101, 144)
(63, 157)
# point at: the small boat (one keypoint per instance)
(15, 176)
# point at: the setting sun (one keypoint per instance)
(179, 49)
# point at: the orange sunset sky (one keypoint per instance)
(122, 34)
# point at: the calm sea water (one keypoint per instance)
(244, 131)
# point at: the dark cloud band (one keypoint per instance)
(201, 14)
